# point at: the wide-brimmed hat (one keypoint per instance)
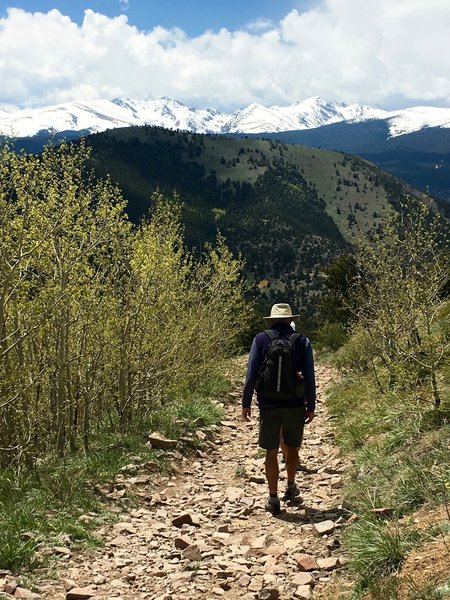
(281, 311)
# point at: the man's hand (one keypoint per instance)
(309, 416)
(246, 413)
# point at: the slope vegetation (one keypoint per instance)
(288, 209)
(421, 158)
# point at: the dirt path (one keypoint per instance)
(204, 534)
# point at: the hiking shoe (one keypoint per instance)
(273, 505)
(292, 492)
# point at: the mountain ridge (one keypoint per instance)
(99, 115)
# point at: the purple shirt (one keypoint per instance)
(304, 362)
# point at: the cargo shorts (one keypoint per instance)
(290, 421)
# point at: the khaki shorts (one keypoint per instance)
(272, 420)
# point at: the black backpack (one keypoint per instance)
(277, 378)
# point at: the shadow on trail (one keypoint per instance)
(310, 514)
(307, 470)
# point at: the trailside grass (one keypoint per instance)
(398, 443)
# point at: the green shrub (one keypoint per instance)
(357, 354)
(16, 553)
(331, 336)
(378, 549)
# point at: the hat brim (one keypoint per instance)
(286, 317)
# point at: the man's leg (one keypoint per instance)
(282, 445)
(269, 439)
(293, 423)
(272, 470)
(291, 463)
(292, 490)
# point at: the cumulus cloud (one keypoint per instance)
(373, 52)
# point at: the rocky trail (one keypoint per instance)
(203, 533)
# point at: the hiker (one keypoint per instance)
(281, 370)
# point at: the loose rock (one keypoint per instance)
(268, 594)
(303, 592)
(328, 564)
(80, 593)
(25, 594)
(303, 578)
(306, 562)
(192, 553)
(184, 519)
(324, 527)
(157, 440)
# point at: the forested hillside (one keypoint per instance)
(420, 158)
(287, 209)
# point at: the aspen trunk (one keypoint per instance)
(61, 375)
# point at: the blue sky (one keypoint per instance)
(226, 54)
(193, 16)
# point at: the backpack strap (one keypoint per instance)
(272, 334)
(297, 341)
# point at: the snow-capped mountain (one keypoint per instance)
(99, 115)
(171, 114)
(419, 117)
(308, 114)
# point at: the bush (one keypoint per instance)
(357, 354)
(403, 272)
(331, 336)
(378, 549)
(16, 553)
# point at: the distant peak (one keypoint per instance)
(312, 100)
(254, 105)
(122, 101)
(313, 112)
(171, 101)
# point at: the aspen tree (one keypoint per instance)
(403, 271)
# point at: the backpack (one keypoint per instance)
(277, 378)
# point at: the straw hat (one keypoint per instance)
(281, 311)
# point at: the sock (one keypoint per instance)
(273, 495)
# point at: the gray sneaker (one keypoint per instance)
(273, 505)
(292, 492)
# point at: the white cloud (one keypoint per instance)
(124, 4)
(349, 50)
(259, 25)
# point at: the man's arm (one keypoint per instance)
(310, 381)
(253, 367)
